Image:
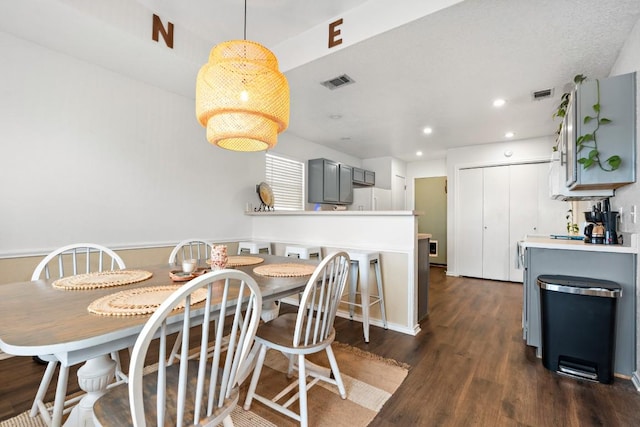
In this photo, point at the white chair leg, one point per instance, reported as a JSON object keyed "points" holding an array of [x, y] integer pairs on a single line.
{"points": [[336, 372], [302, 386], [292, 365], [120, 376], [227, 422], [176, 348], [44, 386], [256, 376], [61, 394]]}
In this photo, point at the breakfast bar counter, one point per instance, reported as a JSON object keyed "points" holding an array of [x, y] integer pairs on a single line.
{"points": [[393, 234]]}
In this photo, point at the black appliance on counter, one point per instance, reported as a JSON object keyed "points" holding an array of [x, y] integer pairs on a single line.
{"points": [[602, 227]]}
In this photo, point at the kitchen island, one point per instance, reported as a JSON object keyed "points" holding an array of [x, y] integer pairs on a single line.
{"points": [[576, 258], [391, 233]]}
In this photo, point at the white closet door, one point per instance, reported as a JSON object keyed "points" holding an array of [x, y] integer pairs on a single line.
{"points": [[495, 248], [470, 227], [523, 207]]}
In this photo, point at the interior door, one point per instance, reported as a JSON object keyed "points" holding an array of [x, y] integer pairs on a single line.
{"points": [[469, 223], [495, 241]]}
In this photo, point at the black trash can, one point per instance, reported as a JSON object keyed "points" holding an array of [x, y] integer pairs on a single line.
{"points": [[578, 326]]}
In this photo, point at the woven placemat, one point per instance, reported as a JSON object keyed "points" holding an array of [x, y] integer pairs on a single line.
{"points": [[101, 279], [285, 270], [133, 302], [239, 261]]}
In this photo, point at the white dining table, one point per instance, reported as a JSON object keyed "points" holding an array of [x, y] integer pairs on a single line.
{"points": [[38, 319]]}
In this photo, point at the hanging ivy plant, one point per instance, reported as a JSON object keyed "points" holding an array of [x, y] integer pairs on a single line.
{"points": [[561, 111], [589, 141]]}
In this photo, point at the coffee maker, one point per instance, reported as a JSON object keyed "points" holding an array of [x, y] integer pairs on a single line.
{"points": [[602, 227]]}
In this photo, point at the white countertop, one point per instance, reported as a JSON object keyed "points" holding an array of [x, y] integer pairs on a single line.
{"points": [[424, 236], [579, 245]]}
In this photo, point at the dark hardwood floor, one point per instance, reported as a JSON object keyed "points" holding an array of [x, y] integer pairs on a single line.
{"points": [[469, 367]]}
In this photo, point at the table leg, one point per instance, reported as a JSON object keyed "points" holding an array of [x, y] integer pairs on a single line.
{"points": [[93, 378]]}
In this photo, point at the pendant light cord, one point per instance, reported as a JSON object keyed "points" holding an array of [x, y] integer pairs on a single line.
{"points": [[245, 19]]}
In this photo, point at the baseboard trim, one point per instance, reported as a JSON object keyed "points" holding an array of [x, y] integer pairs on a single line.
{"points": [[374, 322], [635, 379], [377, 322]]}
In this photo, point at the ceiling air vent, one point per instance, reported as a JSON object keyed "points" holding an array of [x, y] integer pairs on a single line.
{"points": [[542, 94], [337, 82]]}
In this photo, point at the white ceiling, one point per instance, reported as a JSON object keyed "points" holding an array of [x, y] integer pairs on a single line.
{"points": [[441, 70]]}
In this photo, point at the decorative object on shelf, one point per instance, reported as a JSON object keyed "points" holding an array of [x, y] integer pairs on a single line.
{"points": [[219, 257], [241, 97], [266, 197]]}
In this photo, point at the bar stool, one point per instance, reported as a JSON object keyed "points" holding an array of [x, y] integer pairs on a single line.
{"points": [[270, 310], [254, 247], [303, 252], [360, 263]]}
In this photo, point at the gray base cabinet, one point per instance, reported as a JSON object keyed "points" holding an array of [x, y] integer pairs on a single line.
{"points": [[618, 267]]}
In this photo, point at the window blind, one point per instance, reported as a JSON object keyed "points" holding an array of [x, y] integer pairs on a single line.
{"points": [[286, 179]]}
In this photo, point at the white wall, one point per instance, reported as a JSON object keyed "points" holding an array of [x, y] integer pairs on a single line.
{"points": [[87, 154], [382, 166], [294, 147], [628, 61], [522, 151]]}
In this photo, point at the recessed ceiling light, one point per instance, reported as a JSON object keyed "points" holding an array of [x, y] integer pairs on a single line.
{"points": [[418, 153], [335, 116], [509, 135], [499, 102], [427, 130], [345, 138]]}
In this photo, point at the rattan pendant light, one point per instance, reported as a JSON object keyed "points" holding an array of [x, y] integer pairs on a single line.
{"points": [[241, 96]]}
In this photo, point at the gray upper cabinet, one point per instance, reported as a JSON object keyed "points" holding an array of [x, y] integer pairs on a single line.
{"points": [[618, 104], [329, 182], [363, 177]]}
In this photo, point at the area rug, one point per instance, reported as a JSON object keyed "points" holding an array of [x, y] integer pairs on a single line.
{"points": [[369, 380]]}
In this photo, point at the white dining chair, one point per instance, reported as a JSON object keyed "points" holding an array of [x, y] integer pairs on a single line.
{"points": [[308, 331], [199, 249], [66, 261], [199, 392]]}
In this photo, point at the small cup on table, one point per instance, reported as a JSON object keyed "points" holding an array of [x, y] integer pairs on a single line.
{"points": [[189, 265]]}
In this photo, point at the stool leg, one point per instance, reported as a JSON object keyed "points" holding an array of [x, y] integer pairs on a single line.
{"points": [[364, 297], [380, 294], [353, 283]]}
